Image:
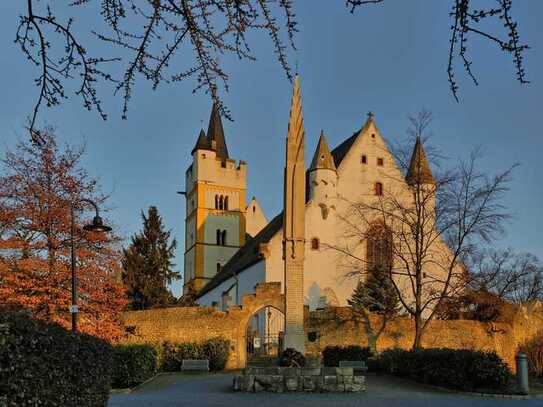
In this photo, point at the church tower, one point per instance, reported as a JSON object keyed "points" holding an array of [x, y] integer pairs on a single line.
{"points": [[215, 188]]}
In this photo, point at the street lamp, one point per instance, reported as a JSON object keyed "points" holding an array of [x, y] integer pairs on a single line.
{"points": [[97, 225]]}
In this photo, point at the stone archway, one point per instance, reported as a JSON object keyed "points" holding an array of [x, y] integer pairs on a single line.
{"points": [[267, 297], [264, 335]]}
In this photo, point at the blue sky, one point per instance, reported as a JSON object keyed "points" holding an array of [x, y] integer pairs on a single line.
{"points": [[390, 59]]}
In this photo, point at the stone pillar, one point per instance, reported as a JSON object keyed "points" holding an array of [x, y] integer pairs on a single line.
{"points": [[294, 225]]}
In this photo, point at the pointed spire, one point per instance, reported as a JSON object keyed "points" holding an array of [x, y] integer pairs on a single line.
{"points": [[419, 171], [201, 142], [322, 158], [296, 124], [215, 133]]}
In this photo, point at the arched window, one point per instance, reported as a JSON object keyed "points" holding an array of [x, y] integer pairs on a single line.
{"points": [[216, 201], [218, 267], [315, 243], [218, 236], [363, 159], [378, 189], [223, 238], [379, 248], [226, 203], [221, 202]]}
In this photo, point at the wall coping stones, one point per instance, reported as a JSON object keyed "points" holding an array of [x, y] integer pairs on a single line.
{"points": [[293, 379]]}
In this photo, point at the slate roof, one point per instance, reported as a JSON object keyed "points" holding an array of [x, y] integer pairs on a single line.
{"points": [[419, 171], [215, 132]]}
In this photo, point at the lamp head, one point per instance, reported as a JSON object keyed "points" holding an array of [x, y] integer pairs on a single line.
{"points": [[97, 225]]}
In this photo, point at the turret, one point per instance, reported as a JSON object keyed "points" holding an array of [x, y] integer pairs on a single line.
{"points": [[322, 173], [419, 176]]}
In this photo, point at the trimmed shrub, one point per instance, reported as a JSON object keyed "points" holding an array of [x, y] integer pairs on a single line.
{"points": [[332, 355], [534, 351], [457, 369], [216, 350], [291, 358], [133, 364], [44, 364]]}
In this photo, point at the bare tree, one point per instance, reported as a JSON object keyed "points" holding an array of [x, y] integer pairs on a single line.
{"points": [[173, 40], [514, 277], [424, 230]]}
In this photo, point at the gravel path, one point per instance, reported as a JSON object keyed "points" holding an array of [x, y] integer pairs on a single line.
{"points": [[216, 390]]}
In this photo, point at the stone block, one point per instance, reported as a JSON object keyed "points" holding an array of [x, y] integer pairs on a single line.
{"points": [[290, 371], [359, 379], [264, 382], [248, 383], [310, 383], [344, 371], [277, 384], [291, 383], [309, 371], [328, 371], [345, 379]]}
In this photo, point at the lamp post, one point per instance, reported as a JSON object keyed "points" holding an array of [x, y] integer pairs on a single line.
{"points": [[97, 225]]}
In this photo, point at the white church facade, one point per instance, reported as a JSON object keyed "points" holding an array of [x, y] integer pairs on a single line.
{"points": [[230, 246]]}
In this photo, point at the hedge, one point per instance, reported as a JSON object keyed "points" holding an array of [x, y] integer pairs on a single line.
{"points": [[332, 355], [457, 369], [133, 364], [44, 364], [290, 357], [216, 350]]}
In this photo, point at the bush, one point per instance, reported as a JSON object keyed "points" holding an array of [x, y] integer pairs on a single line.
{"points": [[216, 350], [133, 364], [291, 358], [44, 364], [534, 350], [457, 369], [331, 355]]}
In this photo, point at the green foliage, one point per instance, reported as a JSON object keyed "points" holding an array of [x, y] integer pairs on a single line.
{"points": [[376, 294], [147, 265], [133, 364], [332, 355], [534, 351], [291, 358], [457, 369], [46, 365], [216, 350]]}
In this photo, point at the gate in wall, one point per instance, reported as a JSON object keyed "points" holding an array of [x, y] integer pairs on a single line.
{"points": [[264, 335]]}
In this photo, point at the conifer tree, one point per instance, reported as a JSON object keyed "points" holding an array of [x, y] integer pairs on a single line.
{"points": [[377, 295], [147, 265]]}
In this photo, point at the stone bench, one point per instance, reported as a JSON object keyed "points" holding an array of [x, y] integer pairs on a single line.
{"points": [[195, 365], [359, 366]]}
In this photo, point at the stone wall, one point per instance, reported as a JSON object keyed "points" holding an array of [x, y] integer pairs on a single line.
{"points": [[195, 324], [333, 326], [338, 326]]}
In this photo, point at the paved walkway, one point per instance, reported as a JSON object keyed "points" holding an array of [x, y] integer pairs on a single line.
{"points": [[216, 390]]}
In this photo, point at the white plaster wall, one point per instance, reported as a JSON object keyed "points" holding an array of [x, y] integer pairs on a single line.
{"points": [[247, 282], [255, 218]]}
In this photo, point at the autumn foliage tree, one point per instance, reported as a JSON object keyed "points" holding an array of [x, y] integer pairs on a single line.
{"points": [[38, 184]]}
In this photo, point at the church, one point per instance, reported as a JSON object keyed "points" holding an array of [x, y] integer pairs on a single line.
{"points": [[230, 246]]}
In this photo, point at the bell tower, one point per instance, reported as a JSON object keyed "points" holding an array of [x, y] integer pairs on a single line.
{"points": [[215, 188]]}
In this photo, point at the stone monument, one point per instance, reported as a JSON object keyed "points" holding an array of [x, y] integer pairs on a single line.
{"points": [[294, 225]]}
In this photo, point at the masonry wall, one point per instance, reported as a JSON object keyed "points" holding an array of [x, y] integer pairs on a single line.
{"points": [[333, 326]]}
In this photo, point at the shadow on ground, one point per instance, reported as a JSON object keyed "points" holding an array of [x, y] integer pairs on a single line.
{"points": [[216, 390]]}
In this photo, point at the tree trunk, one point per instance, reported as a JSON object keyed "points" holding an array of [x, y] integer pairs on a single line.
{"points": [[417, 343]]}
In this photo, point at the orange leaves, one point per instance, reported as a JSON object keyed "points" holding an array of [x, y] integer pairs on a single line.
{"points": [[37, 186]]}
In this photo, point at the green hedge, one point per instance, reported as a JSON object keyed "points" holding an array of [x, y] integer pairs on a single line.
{"points": [[216, 350], [332, 355], [133, 364], [45, 365], [290, 357], [456, 369]]}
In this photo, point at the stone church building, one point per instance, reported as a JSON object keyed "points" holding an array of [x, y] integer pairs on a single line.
{"points": [[230, 246]]}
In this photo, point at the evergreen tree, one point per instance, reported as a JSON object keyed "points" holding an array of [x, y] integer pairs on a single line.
{"points": [[147, 265], [377, 295]]}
